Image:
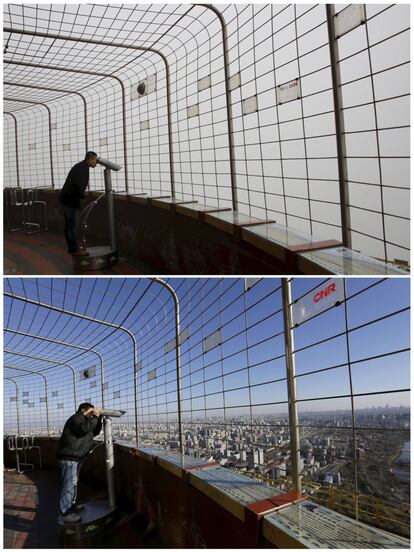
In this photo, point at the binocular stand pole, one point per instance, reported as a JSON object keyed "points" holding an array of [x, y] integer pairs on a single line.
{"points": [[109, 448], [102, 256]]}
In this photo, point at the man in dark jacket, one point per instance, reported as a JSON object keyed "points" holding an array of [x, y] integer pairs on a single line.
{"points": [[70, 196], [75, 443]]}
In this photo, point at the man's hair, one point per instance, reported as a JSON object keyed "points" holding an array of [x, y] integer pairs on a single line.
{"points": [[85, 406], [90, 155]]}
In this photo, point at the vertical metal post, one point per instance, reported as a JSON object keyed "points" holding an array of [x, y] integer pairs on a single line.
{"points": [[124, 134], [50, 145], [134, 344], [291, 383], [17, 404], [47, 406], [75, 398], [178, 372], [85, 116], [351, 388], [109, 450], [110, 204], [177, 359], [169, 124], [16, 147], [340, 127]]}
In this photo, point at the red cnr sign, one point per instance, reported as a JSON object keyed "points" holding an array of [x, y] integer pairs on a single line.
{"points": [[324, 293]]}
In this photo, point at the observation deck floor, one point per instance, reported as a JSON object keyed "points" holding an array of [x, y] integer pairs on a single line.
{"points": [[45, 253], [31, 508]]}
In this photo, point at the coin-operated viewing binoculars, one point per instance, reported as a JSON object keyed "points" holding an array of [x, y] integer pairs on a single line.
{"points": [[112, 413], [98, 517], [101, 256]]}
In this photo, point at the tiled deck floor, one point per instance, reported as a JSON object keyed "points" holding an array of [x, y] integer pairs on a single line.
{"points": [[45, 253], [31, 510]]}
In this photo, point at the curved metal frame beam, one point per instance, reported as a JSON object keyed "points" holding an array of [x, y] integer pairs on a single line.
{"points": [[44, 377], [114, 45], [50, 129], [230, 131], [33, 336], [51, 361], [90, 319], [177, 356], [58, 90], [17, 152], [17, 403]]}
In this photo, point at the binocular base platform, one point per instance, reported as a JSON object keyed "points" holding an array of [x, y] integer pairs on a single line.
{"points": [[96, 519], [102, 256]]}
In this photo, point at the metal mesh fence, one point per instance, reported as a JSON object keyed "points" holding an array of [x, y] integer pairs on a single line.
{"points": [[219, 384], [252, 107]]}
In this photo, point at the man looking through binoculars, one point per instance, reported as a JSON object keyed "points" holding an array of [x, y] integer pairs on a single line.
{"points": [[75, 443], [70, 196]]}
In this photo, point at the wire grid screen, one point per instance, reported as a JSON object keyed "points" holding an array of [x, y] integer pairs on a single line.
{"points": [[353, 387], [286, 165], [201, 143], [103, 374], [31, 402], [286, 154], [375, 73], [232, 369], [227, 340], [285, 150]]}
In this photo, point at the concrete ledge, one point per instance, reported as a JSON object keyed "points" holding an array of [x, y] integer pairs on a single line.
{"points": [[267, 516], [198, 211], [340, 260], [171, 203], [181, 236], [284, 243], [197, 504]]}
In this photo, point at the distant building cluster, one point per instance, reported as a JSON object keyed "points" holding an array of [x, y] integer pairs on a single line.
{"points": [[261, 446]]}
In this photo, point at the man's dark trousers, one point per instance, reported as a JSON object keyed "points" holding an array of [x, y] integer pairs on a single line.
{"points": [[71, 228]]}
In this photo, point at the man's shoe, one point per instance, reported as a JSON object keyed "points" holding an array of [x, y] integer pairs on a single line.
{"points": [[77, 507], [71, 518], [80, 253]]}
